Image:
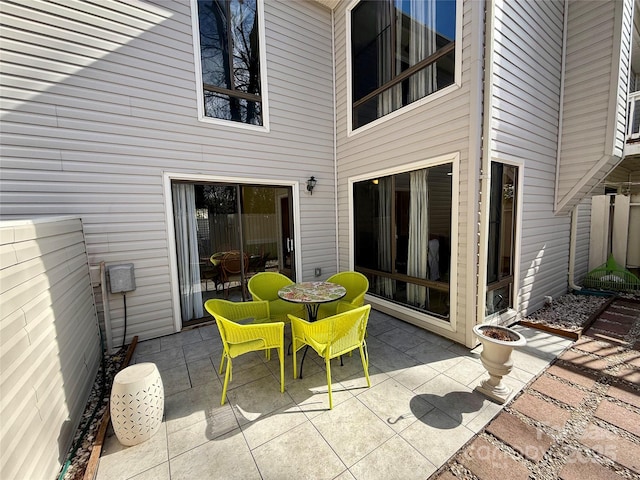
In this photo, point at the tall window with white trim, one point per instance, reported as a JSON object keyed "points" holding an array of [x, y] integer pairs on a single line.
{"points": [[401, 51], [501, 239], [230, 60], [402, 237]]}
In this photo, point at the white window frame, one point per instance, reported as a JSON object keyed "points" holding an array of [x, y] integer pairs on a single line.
{"points": [[510, 315], [405, 313], [167, 177], [412, 106], [263, 73]]}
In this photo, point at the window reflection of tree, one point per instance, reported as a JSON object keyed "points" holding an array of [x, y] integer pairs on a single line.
{"points": [[230, 59], [221, 199]]}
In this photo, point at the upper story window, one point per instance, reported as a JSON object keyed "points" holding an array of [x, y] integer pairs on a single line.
{"points": [[401, 51], [229, 35]]}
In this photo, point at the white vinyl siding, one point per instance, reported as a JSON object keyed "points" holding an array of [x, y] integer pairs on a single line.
{"points": [[436, 128], [50, 343], [524, 130], [594, 110], [99, 100]]}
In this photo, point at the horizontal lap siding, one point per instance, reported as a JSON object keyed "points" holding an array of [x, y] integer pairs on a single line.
{"points": [[50, 343], [436, 128], [597, 70], [524, 129], [99, 100]]}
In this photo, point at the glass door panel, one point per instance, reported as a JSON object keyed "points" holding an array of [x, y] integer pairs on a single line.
{"points": [[266, 229], [250, 221]]}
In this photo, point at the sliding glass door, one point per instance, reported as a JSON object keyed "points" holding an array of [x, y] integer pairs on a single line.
{"points": [[217, 221], [402, 226]]}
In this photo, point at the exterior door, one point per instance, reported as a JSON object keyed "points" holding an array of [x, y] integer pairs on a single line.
{"points": [[253, 220]]}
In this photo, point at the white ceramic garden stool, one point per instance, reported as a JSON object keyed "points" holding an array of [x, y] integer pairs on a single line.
{"points": [[137, 403]]}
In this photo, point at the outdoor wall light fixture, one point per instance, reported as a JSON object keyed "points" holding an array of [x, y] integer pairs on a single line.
{"points": [[311, 183]]}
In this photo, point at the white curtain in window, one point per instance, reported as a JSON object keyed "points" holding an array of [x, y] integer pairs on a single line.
{"points": [[422, 43], [418, 236], [390, 99], [385, 285], [184, 214]]}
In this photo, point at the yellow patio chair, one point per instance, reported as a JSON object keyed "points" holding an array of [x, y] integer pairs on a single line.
{"points": [[265, 286], [240, 338], [332, 337], [356, 284]]}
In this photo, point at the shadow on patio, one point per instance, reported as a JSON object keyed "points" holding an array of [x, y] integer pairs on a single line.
{"points": [[421, 408]]}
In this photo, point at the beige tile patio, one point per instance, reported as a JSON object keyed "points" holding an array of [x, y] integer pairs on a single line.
{"points": [[458, 401], [437, 436], [526, 360], [352, 430], [226, 457], [120, 462], [401, 338], [159, 472], [164, 359], [393, 403], [299, 453], [413, 377], [268, 427], [466, 371], [220, 421], [175, 379], [541, 343], [420, 409], [357, 383], [387, 358], [202, 371], [395, 458], [147, 347], [201, 349], [346, 475], [311, 393], [254, 400], [437, 357], [192, 406], [185, 337]]}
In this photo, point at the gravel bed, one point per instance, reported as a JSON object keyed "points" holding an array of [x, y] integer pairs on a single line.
{"points": [[92, 417], [568, 312]]}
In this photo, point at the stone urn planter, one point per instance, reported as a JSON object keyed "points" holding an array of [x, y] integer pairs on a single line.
{"points": [[497, 344]]}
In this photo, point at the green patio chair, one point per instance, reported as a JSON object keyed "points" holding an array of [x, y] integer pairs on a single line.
{"points": [[332, 337], [356, 285], [252, 335], [264, 286]]}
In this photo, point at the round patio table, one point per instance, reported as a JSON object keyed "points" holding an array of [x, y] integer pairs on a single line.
{"points": [[312, 294]]}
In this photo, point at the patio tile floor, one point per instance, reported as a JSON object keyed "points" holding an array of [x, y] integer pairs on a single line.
{"points": [[420, 410]]}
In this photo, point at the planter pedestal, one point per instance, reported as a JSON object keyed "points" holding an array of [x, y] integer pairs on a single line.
{"points": [[496, 359]]}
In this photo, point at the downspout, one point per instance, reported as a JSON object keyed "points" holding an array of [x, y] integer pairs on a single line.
{"points": [[335, 139], [485, 166]]}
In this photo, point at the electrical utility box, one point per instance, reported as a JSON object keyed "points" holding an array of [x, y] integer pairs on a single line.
{"points": [[121, 278]]}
